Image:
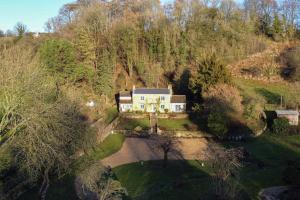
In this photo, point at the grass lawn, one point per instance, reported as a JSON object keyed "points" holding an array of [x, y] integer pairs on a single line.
{"points": [[130, 124], [64, 188], [273, 153], [111, 114], [270, 92], [110, 145], [180, 180], [176, 124], [189, 180]]}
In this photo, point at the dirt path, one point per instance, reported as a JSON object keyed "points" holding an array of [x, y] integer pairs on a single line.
{"points": [[141, 149]]}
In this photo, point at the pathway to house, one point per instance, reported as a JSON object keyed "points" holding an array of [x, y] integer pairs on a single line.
{"points": [[142, 149], [153, 122]]}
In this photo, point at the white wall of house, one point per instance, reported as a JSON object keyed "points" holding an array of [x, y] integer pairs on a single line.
{"points": [[178, 107], [125, 107], [151, 102]]}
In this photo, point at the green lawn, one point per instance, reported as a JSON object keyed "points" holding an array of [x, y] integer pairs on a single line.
{"points": [[189, 180], [111, 114], [110, 145], [176, 124], [130, 124], [273, 153], [64, 188], [269, 92], [180, 180]]}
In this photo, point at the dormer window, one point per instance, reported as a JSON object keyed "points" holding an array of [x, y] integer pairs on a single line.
{"points": [[142, 98]]}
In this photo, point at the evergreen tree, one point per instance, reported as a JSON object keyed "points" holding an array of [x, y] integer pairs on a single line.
{"points": [[210, 72]]}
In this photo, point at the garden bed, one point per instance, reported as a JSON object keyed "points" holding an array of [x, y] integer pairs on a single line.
{"points": [[131, 124], [177, 125]]}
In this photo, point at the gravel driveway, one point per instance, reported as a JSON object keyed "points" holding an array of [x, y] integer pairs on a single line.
{"points": [[142, 149]]}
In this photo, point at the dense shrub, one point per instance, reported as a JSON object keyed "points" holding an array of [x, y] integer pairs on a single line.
{"points": [[224, 98], [59, 58], [58, 55], [281, 126], [292, 72], [223, 104], [211, 71], [217, 124], [253, 109]]}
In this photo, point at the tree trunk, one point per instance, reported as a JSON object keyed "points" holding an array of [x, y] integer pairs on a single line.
{"points": [[44, 186], [165, 159]]}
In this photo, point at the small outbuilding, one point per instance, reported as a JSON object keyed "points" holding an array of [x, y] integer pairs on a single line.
{"points": [[291, 115], [178, 103], [125, 101]]}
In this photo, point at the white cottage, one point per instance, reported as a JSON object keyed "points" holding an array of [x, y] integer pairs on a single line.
{"points": [[152, 100]]}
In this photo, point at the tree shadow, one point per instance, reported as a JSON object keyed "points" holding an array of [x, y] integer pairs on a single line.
{"points": [[270, 97], [290, 58], [265, 162], [270, 116], [179, 180], [240, 129], [181, 86]]}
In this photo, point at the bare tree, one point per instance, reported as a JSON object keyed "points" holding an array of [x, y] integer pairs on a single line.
{"points": [[20, 29], [228, 7], [98, 181], [167, 144], [225, 164], [2, 34], [43, 131]]}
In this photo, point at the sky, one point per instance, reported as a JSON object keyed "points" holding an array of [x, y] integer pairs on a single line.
{"points": [[32, 13]]}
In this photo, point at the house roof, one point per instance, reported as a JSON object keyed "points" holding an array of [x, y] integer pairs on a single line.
{"points": [[125, 94], [287, 112], [151, 91], [178, 99], [122, 101]]}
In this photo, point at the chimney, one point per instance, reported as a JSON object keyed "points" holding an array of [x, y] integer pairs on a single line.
{"points": [[170, 88]]}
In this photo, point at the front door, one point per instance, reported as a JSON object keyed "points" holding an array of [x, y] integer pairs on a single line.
{"points": [[151, 108]]}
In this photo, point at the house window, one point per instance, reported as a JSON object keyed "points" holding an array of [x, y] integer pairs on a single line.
{"points": [[162, 106], [142, 106], [178, 108], [162, 98], [142, 98]]}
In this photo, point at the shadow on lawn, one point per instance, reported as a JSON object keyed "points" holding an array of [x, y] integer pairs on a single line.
{"points": [[266, 162], [179, 180], [271, 97]]}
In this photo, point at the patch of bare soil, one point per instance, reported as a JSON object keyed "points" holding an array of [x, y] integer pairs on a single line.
{"points": [[141, 149]]}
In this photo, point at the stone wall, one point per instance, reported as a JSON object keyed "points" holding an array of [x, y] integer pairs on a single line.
{"points": [[147, 133], [107, 130]]}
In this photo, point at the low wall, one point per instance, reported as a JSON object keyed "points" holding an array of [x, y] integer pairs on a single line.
{"points": [[106, 131], [172, 116], [147, 133], [134, 115], [160, 115]]}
